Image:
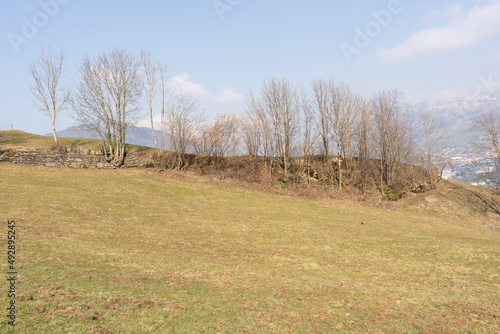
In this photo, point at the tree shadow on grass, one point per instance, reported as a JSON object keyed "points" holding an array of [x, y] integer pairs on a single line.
{"points": [[489, 203]]}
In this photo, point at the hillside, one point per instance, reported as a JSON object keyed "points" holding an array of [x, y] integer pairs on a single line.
{"points": [[311, 178], [135, 135], [16, 138], [136, 251]]}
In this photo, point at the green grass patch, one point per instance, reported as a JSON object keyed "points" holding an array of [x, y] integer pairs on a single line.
{"points": [[16, 138], [132, 251]]}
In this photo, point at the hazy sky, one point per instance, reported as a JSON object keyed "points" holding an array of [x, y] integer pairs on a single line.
{"points": [[431, 50]]}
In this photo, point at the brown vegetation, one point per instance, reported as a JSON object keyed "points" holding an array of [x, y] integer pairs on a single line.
{"points": [[310, 176]]}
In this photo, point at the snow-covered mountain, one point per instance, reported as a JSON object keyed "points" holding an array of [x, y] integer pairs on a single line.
{"points": [[459, 138]]}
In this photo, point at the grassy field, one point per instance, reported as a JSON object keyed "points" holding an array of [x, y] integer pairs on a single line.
{"points": [[15, 138], [133, 251]]}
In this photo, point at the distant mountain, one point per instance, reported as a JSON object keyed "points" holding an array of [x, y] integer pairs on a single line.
{"points": [[458, 136], [457, 117], [134, 135]]}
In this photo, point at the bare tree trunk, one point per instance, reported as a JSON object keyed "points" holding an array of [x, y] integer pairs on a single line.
{"points": [[381, 177], [340, 173], [48, 93], [279, 102], [163, 80], [394, 133], [107, 99], [364, 141], [322, 110], [151, 78], [308, 141], [183, 120], [54, 131], [433, 134], [487, 126]]}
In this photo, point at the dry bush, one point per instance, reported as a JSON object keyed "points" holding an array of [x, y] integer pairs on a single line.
{"points": [[314, 178]]}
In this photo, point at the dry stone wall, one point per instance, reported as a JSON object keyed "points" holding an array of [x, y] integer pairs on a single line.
{"points": [[74, 158]]}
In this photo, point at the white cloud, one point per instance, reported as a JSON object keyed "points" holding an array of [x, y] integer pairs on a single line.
{"points": [[455, 13], [182, 83], [146, 123], [229, 96], [464, 29]]}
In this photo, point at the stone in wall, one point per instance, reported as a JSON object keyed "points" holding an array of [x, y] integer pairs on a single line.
{"points": [[70, 157]]}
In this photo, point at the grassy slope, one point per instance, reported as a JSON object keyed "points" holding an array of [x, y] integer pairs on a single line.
{"points": [[132, 251], [17, 138]]}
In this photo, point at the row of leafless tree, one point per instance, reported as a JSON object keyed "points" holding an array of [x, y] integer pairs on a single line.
{"points": [[109, 95], [330, 121], [282, 124]]}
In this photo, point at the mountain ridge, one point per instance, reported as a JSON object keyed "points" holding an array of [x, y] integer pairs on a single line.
{"points": [[135, 135], [458, 136]]}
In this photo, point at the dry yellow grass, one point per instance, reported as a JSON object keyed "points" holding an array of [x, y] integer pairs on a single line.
{"points": [[133, 251], [20, 139]]}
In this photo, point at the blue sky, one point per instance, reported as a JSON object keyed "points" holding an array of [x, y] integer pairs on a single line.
{"points": [[431, 50]]}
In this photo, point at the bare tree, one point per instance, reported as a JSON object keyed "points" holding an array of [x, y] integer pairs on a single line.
{"points": [[307, 134], [345, 113], [220, 137], [446, 162], [394, 133], [259, 124], [251, 138], [364, 141], [279, 102], [321, 106], [343, 117], [49, 94], [227, 127], [203, 142], [164, 91], [107, 99], [151, 78], [433, 134], [336, 111], [487, 126], [183, 120]]}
